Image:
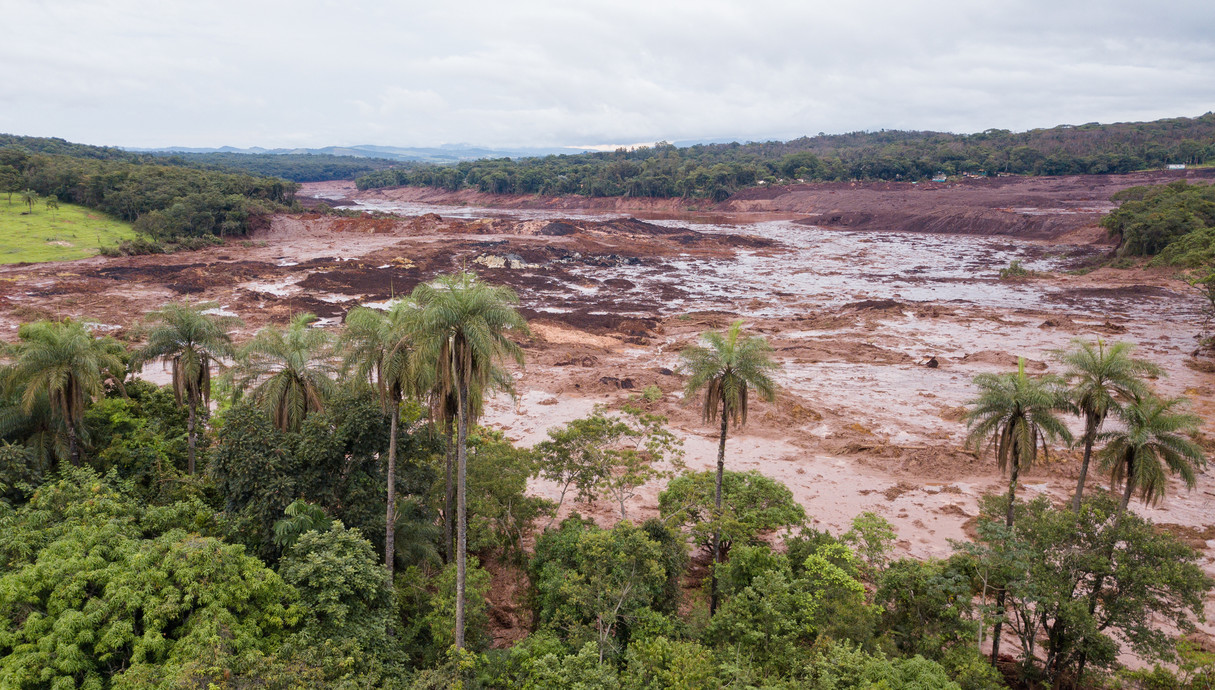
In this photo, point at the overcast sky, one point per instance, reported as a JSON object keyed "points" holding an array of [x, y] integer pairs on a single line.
{"points": [[576, 72]]}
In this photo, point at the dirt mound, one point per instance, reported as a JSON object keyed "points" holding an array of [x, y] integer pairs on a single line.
{"points": [[377, 284], [185, 278], [875, 305], [1002, 359], [1120, 292], [842, 350], [558, 228]]}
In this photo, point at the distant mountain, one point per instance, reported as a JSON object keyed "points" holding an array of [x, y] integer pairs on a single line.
{"points": [[451, 153]]}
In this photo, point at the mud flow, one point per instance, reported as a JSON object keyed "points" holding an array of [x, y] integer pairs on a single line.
{"points": [[879, 332]]}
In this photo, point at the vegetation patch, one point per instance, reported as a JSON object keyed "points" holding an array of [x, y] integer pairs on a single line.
{"points": [[63, 234], [716, 171], [1016, 271], [1173, 222]]}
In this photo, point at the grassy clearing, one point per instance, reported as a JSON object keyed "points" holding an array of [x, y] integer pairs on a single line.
{"points": [[72, 232]]}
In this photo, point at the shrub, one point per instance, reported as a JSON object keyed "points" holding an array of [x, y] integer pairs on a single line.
{"points": [[1016, 271]]}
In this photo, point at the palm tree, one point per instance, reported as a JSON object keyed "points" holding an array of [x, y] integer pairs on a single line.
{"points": [[61, 365], [1154, 438], [43, 435], [28, 197], [289, 371], [461, 335], [1016, 414], [302, 517], [444, 409], [379, 349], [727, 370], [416, 533], [1100, 378], [192, 342]]}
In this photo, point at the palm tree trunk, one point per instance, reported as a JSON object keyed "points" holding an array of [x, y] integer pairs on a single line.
{"points": [[449, 506], [1014, 471], [390, 515], [721, 469], [1095, 596], [1090, 434], [461, 510], [190, 438], [73, 445], [1129, 482]]}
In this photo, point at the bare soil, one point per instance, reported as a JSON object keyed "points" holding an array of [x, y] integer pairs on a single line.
{"points": [[1027, 207]]}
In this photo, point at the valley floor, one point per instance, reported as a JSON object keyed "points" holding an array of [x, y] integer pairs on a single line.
{"points": [[861, 423]]}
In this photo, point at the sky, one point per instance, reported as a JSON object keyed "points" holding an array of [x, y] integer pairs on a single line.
{"points": [[521, 73]]}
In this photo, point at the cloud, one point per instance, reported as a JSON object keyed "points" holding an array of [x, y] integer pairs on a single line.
{"points": [[314, 72]]}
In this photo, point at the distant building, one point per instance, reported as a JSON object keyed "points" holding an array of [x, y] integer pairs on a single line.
{"points": [[1176, 166], [939, 177]]}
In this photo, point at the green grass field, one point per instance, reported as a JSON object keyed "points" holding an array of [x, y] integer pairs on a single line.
{"points": [[72, 232]]}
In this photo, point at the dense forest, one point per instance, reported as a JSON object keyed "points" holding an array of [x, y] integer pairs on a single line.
{"points": [[1173, 222], [295, 167], [167, 204], [715, 171], [321, 510]]}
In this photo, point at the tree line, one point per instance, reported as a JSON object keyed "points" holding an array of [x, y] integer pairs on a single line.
{"points": [[166, 204], [294, 167], [349, 519], [715, 171]]}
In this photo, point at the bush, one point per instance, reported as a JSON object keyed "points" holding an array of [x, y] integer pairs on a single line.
{"points": [[342, 585], [1016, 271]]}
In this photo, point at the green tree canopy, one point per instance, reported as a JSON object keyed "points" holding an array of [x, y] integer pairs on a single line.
{"points": [[105, 589], [752, 505]]}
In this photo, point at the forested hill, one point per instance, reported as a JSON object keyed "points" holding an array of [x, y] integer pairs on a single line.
{"points": [[167, 203], [295, 167], [715, 171]]}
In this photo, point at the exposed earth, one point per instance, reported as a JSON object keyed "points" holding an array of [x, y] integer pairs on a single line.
{"points": [[856, 287]]}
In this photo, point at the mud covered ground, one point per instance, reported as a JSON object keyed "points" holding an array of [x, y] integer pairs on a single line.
{"points": [[861, 423], [1027, 207]]}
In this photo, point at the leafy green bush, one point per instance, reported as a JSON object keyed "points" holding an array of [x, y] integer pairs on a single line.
{"points": [[842, 666], [341, 584], [1016, 271], [926, 605], [1192, 250], [872, 537]]}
